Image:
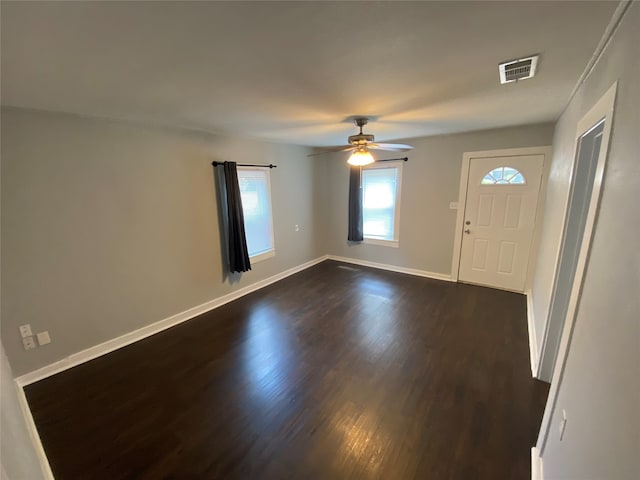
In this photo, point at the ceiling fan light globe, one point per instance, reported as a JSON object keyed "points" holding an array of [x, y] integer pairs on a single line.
{"points": [[360, 158]]}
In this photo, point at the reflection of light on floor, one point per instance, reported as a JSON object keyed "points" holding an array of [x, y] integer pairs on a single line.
{"points": [[377, 319], [267, 354], [362, 439], [378, 330], [377, 288]]}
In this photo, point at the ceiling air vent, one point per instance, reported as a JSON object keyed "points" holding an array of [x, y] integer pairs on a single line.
{"points": [[519, 69]]}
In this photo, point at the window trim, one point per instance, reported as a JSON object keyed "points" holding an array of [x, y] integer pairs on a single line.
{"points": [[503, 182], [269, 253], [395, 243]]}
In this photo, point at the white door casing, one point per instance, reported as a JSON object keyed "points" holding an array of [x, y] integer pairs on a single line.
{"points": [[499, 220], [575, 219], [603, 110]]}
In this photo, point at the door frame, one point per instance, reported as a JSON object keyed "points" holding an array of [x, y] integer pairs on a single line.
{"points": [[545, 151], [602, 110]]}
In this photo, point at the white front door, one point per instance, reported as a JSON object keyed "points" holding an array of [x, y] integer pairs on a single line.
{"points": [[499, 218]]}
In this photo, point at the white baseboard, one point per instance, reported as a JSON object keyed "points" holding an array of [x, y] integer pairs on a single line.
{"points": [[533, 342], [33, 433], [536, 465], [393, 268], [139, 334]]}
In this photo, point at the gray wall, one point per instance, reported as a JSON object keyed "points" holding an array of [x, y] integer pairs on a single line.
{"points": [[19, 460], [430, 181], [600, 389], [109, 226]]}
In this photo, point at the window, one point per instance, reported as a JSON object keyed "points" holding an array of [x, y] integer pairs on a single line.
{"points": [[255, 191], [503, 176], [381, 203]]}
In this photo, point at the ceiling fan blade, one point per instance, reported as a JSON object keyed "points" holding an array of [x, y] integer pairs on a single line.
{"points": [[342, 148], [391, 147]]}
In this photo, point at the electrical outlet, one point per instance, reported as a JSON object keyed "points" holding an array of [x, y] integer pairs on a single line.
{"points": [[43, 338], [297, 228], [28, 343], [25, 330], [453, 205]]}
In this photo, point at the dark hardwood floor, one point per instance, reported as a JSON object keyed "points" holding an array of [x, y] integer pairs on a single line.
{"points": [[337, 372]]}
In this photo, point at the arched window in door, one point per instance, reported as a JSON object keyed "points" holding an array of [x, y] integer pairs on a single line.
{"points": [[503, 176]]}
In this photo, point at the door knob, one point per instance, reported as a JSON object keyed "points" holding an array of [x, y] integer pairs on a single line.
{"points": [[467, 231]]}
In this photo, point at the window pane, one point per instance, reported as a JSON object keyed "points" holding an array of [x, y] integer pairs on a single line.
{"points": [[509, 173], [256, 206], [503, 176], [518, 179], [380, 186]]}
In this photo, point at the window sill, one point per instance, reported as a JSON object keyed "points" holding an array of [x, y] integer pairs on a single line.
{"points": [[382, 243], [262, 256]]}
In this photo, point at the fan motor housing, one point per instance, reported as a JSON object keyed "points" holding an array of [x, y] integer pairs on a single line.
{"points": [[361, 139]]}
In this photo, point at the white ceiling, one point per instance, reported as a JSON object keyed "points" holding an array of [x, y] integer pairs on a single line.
{"points": [[294, 71]]}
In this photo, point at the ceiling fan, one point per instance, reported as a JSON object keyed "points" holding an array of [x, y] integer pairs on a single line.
{"points": [[361, 143]]}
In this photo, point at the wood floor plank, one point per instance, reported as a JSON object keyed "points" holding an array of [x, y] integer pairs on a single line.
{"points": [[337, 372]]}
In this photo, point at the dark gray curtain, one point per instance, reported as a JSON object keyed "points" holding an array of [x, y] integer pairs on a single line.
{"points": [[237, 240], [355, 206]]}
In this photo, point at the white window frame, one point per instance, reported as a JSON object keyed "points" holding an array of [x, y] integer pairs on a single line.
{"points": [[395, 243], [270, 253]]}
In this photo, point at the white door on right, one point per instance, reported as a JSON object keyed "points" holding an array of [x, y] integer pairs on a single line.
{"points": [[499, 219]]}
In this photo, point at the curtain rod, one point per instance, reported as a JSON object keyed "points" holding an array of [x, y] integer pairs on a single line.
{"points": [[215, 164], [404, 159]]}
